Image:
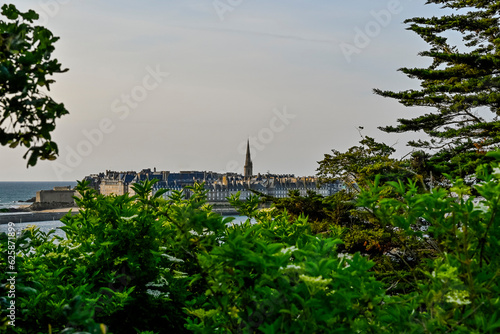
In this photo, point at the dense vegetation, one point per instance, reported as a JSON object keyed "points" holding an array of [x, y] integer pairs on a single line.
{"points": [[418, 262], [405, 248]]}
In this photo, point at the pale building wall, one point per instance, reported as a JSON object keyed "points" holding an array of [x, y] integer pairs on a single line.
{"points": [[59, 196], [112, 187]]}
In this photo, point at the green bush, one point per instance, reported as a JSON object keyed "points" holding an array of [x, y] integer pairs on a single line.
{"points": [[459, 291], [429, 263]]}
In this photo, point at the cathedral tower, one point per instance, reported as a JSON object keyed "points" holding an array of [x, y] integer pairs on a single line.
{"points": [[248, 168]]}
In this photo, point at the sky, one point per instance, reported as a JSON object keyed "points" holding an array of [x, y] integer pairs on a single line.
{"points": [[182, 85]]}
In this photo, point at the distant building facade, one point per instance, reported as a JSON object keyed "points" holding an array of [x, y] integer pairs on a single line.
{"points": [[115, 183], [219, 186], [57, 195]]}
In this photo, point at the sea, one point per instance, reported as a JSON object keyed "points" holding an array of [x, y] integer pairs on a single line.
{"points": [[15, 194]]}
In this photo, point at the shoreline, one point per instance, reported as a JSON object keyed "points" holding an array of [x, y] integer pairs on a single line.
{"points": [[24, 216], [35, 216]]}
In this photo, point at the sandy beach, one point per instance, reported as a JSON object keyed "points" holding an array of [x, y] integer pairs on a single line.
{"points": [[65, 210]]}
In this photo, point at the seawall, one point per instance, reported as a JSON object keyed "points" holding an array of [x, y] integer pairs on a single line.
{"points": [[31, 217], [56, 214]]}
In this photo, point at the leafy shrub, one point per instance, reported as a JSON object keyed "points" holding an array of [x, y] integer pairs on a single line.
{"points": [[132, 264], [459, 291]]}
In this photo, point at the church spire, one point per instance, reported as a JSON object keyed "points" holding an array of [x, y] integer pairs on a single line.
{"points": [[248, 169]]}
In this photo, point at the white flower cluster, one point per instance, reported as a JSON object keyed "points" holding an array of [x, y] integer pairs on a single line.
{"points": [[161, 282], [129, 218], [154, 293], [458, 297], [289, 250], [172, 258], [157, 294], [205, 232], [496, 172], [83, 257], [343, 257], [480, 206]]}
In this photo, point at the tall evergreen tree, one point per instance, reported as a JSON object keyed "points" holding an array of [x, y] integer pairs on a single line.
{"points": [[462, 83]]}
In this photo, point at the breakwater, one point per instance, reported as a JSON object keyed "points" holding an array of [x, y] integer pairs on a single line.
{"points": [[27, 217], [226, 211]]}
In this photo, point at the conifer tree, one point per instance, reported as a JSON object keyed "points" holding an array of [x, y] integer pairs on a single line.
{"points": [[462, 83]]}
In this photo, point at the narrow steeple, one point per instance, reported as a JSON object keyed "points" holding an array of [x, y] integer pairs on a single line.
{"points": [[248, 163]]}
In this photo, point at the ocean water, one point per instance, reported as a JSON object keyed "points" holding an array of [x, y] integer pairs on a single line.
{"points": [[44, 226], [12, 193]]}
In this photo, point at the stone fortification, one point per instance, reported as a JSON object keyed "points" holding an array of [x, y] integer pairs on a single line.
{"points": [[59, 197]]}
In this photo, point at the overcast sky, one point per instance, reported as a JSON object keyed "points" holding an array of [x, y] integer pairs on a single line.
{"points": [[181, 85]]}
